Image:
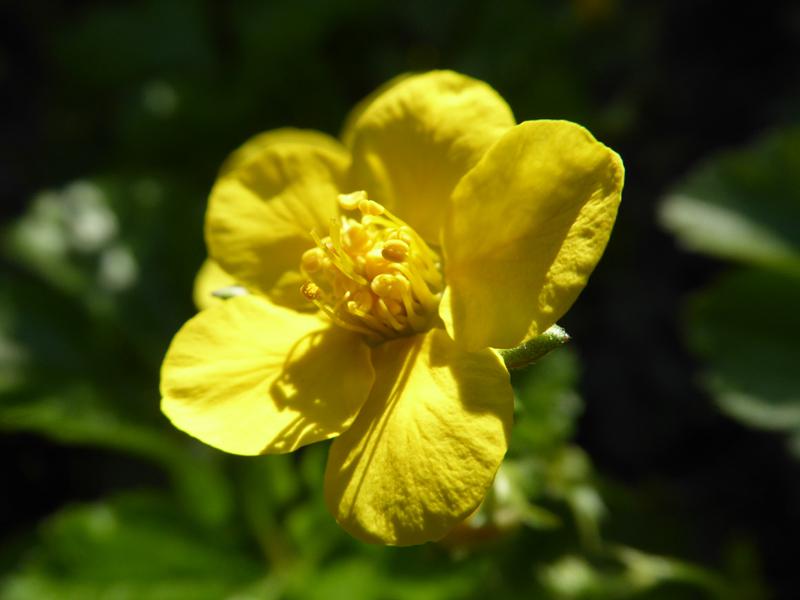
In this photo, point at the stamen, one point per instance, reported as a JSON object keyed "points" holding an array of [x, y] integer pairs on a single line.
{"points": [[414, 317], [355, 237], [384, 312], [350, 201], [345, 266], [312, 260], [395, 250], [370, 319], [372, 273], [311, 291], [341, 322], [375, 264], [405, 232], [389, 286], [395, 307], [419, 287], [362, 299], [370, 207], [400, 233]]}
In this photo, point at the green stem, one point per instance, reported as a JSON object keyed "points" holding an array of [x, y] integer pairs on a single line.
{"points": [[529, 351]]}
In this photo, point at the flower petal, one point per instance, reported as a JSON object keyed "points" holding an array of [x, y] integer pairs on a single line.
{"points": [[210, 278], [425, 447], [414, 142], [270, 195], [250, 377], [349, 129], [253, 147], [525, 229]]}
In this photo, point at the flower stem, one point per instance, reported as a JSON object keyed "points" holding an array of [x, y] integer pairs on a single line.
{"points": [[529, 351]]}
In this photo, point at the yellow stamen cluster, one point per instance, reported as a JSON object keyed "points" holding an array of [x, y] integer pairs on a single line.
{"points": [[372, 274]]}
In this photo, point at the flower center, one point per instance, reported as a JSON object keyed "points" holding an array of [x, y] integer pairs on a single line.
{"points": [[373, 274]]}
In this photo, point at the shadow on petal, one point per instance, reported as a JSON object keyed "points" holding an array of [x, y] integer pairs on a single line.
{"points": [[317, 384], [420, 457]]}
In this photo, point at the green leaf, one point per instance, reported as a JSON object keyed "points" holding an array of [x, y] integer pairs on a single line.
{"points": [[548, 403], [510, 498], [71, 381], [746, 327], [79, 353], [371, 575], [744, 205], [132, 547], [628, 573], [570, 478], [267, 487], [77, 415]]}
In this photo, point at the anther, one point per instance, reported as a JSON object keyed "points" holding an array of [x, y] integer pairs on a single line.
{"points": [[400, 233], [352, 201], [311, 291], [328, 245], [394, 307], [390, 286], [362, 300], [395, 250], [347, 202], [312, 260], [370, 207], [375, 264], [372, 273], [355, 236]]}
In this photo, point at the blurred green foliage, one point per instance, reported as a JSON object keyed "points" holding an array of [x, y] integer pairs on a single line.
{"points": [[744, 206], [137, 105]]}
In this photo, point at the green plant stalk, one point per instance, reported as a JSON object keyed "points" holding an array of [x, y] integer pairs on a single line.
{"points": [[529, 351]]}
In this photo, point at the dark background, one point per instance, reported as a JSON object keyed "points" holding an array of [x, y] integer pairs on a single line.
{"points": [[666, 84]]}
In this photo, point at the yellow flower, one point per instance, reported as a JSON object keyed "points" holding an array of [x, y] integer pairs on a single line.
{"points": [[382, 270]]}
